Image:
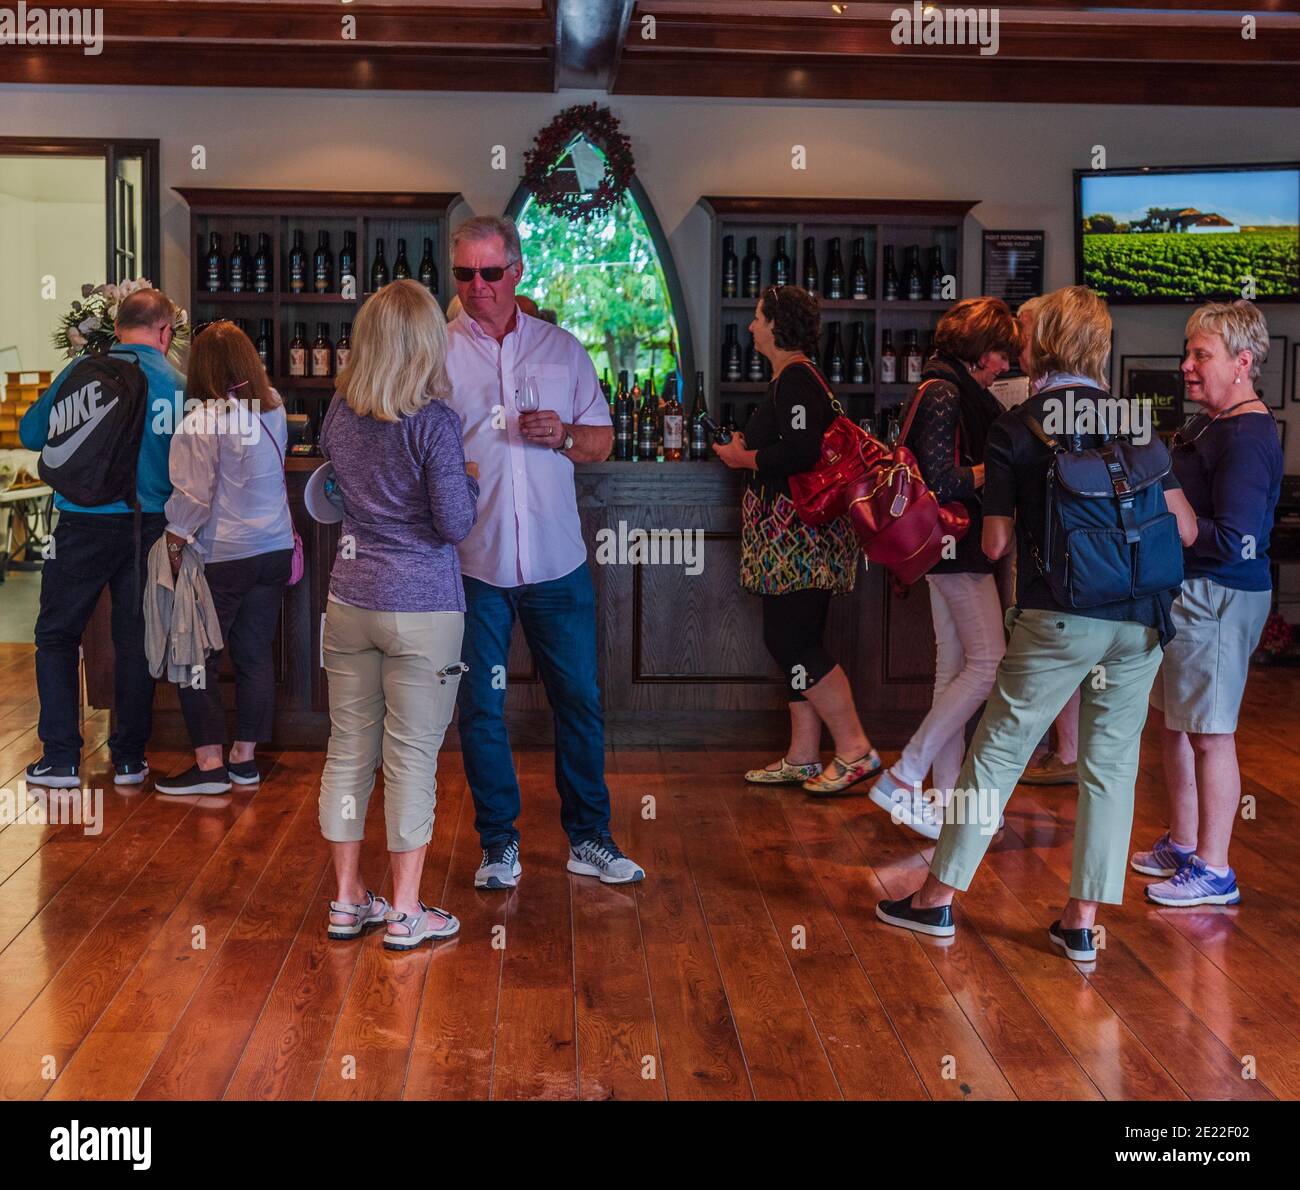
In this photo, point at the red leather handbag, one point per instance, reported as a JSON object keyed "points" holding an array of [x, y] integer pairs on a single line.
{"points": [[896, 518]]}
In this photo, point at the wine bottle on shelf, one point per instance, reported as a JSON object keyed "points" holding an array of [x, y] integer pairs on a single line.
{"points": [[833, 360], [891, 275], [622, 421], [731, 363], [322, 351], [298, 350], [730, 268], [672, 419], [263, 343], [935, 286], [859, 281], [859, 360], [348, 259], [343, 348], [912, 359], [429, 270], [263, 268], [401, 266], [834, 272], [297, 265], [913, 282], [751, 269], [699, 410], [237, 278], [378, 270], [753, 363], [322, 264], [647, 429], [780, 264], [606, 392], [214, 276], [888, 360], [811, 280], [634, 396]]}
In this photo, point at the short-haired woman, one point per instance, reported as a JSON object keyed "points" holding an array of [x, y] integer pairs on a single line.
{"points": [[228, 499], [395, 614], [1052, 650], [795, 567], [1229, 461], [974, 344]]}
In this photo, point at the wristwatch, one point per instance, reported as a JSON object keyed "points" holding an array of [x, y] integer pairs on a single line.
{"points": [[567, 445]]}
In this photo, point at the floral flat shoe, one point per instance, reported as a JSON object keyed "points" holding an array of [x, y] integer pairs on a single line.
{"points": [[841, 775], [787, 774]]}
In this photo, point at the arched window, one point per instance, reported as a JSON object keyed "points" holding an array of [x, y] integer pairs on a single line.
{"points": [[611, 282]]}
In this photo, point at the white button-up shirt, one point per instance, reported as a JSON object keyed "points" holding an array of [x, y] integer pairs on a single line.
{"points": [[528, 529]]}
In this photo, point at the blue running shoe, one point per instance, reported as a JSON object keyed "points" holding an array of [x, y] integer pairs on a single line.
{"points": [[1164, 859], [1195, 884]]}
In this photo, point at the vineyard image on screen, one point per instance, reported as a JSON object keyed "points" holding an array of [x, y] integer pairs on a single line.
{"points": [[1191, 236]]}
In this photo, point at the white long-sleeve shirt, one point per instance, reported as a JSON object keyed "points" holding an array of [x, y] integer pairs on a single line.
{"points": [[228, 481]]}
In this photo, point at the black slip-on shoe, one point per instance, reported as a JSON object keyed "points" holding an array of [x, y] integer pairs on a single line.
{"points": [[1077, 944], [53, 776], [936, 922], [243, 773], [132, 773], [195, 780]]}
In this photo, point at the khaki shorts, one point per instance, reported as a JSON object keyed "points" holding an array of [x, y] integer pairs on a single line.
{"points": [[1203, 675]]}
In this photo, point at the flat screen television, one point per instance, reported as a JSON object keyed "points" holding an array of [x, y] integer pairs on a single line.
{"points": [[1189, 233]]}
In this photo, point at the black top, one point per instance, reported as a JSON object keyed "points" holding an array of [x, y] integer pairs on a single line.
{"points": [[786, 429], [1015, 484], [948, 437]]}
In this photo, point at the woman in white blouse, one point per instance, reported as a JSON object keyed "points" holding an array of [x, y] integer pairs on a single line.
{"points": [[229, 501]]}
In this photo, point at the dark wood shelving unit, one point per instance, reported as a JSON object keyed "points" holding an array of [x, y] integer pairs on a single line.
{"points": [[881, 223], [371, 215]]}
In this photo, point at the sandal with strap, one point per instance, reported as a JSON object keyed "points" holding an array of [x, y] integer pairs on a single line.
{"points": [[787, 774], [363, 916], [842, 774], [418, 927]]}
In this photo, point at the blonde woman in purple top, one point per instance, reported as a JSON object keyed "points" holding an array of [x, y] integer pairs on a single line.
{"points": [[395, 616]]}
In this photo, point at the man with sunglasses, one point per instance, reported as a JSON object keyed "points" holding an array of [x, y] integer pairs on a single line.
{"points": [[525, 558]]}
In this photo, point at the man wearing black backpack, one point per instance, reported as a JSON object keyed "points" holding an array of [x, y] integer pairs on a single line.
{"points": [[104, 430]]}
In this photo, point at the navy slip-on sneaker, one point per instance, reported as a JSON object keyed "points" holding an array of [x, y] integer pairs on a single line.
{"points": [[936, 922]]}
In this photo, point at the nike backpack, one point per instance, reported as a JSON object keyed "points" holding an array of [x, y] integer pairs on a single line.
{"points": [[96, 426]]}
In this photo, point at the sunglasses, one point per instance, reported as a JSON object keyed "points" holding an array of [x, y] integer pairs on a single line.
{"points": [[1184, 445], [493, 272]]}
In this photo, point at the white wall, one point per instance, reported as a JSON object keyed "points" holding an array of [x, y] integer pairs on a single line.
{"points": [[1016, 159]]}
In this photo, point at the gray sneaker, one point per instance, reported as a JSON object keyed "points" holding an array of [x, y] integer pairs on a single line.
{"points": [[601, 857], [500, 867]]}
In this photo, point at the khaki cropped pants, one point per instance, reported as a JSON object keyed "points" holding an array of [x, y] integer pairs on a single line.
{"points": [[390, 703]]}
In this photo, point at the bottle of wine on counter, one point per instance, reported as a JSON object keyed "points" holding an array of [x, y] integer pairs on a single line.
{"points": [[622, 421], [859, 360], [780, 264], [634, 395], [240, 266], [811, 280], [936, 274], [912, 359], [834, 357], [751, 269], [834, 272], [753, 363], [348, 259], [647, 429], [730, 268], [378, 270], [699, 409], [322, 264], [429, 270], [343, 350], [672, 417], [322, 351], [913, 282], [401, 266], [859, 281], [891, 275], [297, 265], [731, 364], [888, 360], [298, 350], [263, 269], [264, 343], [214, 273]]}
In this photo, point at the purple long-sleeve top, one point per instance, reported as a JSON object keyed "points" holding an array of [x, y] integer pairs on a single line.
{"points": [[406, 503]]}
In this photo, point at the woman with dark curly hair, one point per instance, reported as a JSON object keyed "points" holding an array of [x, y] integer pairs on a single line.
{"points": [[796, 568]]}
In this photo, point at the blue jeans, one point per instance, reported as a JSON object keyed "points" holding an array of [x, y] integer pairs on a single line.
{"points": [[559, 622]]}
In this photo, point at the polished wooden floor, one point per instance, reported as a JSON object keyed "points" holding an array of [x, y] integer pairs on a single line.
{"points": [[180, 954]]}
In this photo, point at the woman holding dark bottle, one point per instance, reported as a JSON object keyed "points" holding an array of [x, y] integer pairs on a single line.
{"points": [[974, 344], [795, 567]]}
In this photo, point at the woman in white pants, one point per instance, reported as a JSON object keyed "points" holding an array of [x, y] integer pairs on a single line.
{"points": [[973, 345]]}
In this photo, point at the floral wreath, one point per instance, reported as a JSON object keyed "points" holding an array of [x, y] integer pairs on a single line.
{"points": [[88, 326], [598, 125]]}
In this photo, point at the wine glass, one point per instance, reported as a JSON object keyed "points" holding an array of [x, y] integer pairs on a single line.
{"points": [[529, 398]]}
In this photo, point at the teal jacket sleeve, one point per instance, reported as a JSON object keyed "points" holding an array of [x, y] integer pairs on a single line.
{"points": [[34, 428]]}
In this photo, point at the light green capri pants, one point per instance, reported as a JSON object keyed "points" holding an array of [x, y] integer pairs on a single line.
{"points": [[1049, 656], [389, 702]]}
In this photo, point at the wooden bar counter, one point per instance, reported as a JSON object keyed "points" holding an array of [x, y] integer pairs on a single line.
{"points": [[682, 660]]}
